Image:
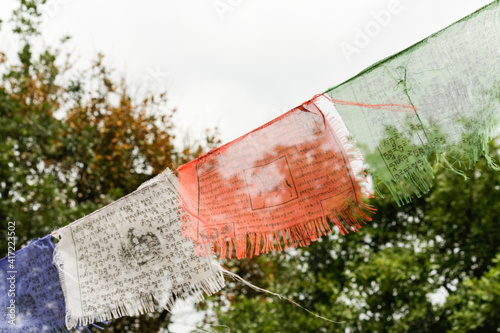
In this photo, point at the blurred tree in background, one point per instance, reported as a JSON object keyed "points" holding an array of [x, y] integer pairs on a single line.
{"points": [[74, 141], [391, 276]]}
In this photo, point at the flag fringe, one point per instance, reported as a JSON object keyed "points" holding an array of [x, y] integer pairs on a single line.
{"points": [[478, 150], [299, 235], [150, 302], [459, 161], [415, 183]]}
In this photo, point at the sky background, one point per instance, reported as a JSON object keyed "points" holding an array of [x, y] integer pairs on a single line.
{"points": [[237, 64]]}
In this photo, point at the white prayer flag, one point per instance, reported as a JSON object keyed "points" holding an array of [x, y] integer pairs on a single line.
{"points": [[130, 258]]}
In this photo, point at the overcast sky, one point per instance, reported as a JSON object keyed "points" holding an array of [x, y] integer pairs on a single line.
{"points": [[237, 64]]}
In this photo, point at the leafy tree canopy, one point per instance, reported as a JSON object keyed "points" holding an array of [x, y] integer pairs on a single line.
{"points": [[73, 141], [430, 266]]}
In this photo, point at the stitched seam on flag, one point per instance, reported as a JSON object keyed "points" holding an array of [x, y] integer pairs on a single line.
{"points": [[77, 271], [346, 162], [199, 198]]}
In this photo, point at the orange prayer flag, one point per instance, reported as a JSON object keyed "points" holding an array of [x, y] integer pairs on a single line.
{"points": [[281, 185]]}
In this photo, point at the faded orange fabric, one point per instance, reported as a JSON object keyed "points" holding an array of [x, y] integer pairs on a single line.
{"points": [[279, 186]]}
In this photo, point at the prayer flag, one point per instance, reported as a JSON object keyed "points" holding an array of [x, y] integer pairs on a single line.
{"points": [[31, 298], [130, 257], [439, 97], [283, 183]]}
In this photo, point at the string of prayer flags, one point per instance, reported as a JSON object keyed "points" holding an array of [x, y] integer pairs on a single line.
{"points": [[283, 183], [31, 298], [439, 97], [130, 258]]}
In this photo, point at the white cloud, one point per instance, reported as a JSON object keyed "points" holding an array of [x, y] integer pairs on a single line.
{"points": [[263, 56]]}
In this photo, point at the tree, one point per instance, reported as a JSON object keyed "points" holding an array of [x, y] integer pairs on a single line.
{"points": [[389, 276], [74, 141]]}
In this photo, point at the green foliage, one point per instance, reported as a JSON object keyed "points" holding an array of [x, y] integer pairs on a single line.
{"points": [[475, 305], [386, 277], [74, 141], [103, 144]]}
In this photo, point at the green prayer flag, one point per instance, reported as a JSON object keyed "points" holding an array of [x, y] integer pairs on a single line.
{"points": [[439, 97]]}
